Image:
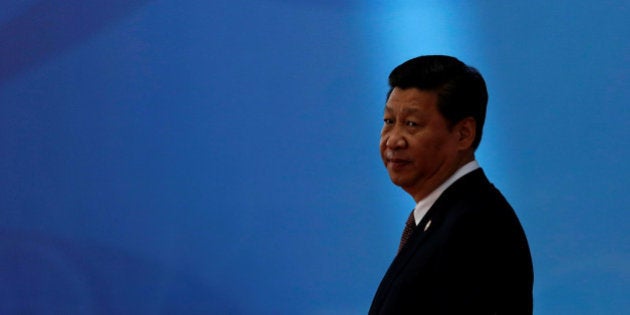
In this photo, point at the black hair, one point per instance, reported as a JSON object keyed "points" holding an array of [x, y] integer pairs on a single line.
{"points": [[461, 89]]}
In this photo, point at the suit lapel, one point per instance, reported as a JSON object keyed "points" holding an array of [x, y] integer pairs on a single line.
{"points": [[436, 214], [414, 242]]}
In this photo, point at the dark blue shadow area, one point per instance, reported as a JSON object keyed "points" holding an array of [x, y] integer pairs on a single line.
{"points": [[44, 275], [49, 27]]}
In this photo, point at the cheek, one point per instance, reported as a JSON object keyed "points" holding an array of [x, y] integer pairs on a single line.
{"points": [[382, 152], [382, 148], [427, 148], [437, 145], [441, 150], [382, 141]]}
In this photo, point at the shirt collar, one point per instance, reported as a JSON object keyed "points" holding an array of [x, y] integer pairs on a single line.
{"points": [[423, 206]]}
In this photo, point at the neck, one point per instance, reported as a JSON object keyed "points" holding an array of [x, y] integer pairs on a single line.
{"points": [[419, 193]]}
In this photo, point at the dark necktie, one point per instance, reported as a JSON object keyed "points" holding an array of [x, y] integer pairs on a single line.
{"points": [[409, 226]]}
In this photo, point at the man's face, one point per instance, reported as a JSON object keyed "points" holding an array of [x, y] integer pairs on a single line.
{"points": [[417, 146]]}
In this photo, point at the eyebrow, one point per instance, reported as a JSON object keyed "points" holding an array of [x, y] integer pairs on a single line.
{"points": [[406, 110]]}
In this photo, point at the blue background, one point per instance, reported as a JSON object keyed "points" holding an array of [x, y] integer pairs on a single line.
{"points": [[221, 157]]}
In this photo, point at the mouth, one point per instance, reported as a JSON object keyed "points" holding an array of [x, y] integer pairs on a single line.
{"points": [[397, 163]]}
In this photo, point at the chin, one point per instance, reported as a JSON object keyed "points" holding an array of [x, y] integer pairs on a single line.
{"points": [[398, 182]]}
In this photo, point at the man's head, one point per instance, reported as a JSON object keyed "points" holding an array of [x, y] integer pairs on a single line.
{"points": [[433, 118], [461, 89]]}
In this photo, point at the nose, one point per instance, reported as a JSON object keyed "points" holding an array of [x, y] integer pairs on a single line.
{"points": [[395, 140]]}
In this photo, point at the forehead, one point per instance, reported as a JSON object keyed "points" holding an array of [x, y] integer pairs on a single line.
{"points": [[411, 100]]}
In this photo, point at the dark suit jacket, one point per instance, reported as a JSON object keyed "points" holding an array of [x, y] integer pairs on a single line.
{"points": [[472, 259]]}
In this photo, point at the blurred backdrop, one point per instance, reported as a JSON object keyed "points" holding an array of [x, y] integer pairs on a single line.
{"points": [[221, 157]]}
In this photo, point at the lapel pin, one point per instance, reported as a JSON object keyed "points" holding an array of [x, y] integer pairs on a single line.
{"points": [[426, 227]]}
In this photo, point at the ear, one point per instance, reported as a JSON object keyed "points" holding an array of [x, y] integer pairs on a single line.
{"points": [[466, 131]]}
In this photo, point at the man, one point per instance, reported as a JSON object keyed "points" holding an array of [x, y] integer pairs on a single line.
{"points": [[463, 250]]}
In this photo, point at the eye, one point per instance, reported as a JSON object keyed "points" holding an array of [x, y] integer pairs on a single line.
{"points": [[388, 121], [411, 123]]}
